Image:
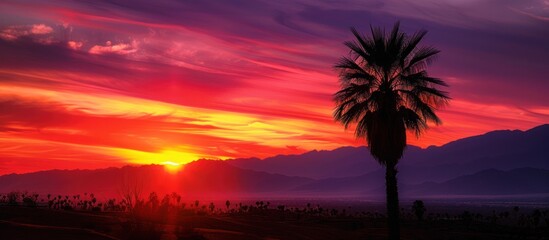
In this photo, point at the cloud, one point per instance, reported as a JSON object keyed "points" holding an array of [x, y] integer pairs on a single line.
{"points": [[56, 124], [542, 16], [60, 122], [74, 45], [120, 48], [15, 32], [41, 29]]}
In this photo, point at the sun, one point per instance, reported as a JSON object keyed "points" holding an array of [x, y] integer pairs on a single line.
{"points": [[172, 160], [172, 167]]}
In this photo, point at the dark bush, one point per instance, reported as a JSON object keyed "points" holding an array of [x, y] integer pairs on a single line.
{"points": [[419, 209], [13, 198]]}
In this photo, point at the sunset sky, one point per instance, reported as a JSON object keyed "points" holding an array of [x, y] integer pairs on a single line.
{"points": [[92, 84]]}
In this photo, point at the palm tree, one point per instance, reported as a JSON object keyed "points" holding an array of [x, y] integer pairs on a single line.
{"points": [[385, 90]]}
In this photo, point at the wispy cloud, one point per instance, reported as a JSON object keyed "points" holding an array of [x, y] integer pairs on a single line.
{"points": [[110, 48], [15, 32]]}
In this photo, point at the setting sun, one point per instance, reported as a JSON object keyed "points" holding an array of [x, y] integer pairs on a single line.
{"points": [[171, 158], [172, 167]]}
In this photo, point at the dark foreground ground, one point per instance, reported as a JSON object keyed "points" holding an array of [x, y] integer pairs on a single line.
{"points": [[42, 223]]}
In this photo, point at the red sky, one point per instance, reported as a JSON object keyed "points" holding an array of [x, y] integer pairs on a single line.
{"points": [[90, 84]]}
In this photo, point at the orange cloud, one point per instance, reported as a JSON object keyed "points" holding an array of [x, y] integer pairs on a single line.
{"points": [[75, 45], [109, 48], [15, 32]]}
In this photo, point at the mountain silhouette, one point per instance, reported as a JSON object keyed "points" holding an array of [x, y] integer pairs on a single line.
{"points": [[503, 150], [204, 178], [495, 163], [490, 182], [340, 162], [485, 182]]}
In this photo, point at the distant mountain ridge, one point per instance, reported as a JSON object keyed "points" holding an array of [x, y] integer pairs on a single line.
{"points": [[485, 182], [490, 182], [502, 149], [496, 163], [205, 178], [340, 162]]}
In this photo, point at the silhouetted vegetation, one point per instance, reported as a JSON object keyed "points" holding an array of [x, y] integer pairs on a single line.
{"points": [[154, 217], [419, 209]]}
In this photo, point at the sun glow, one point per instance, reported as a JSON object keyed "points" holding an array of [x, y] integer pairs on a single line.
{"points": [[172, 167], [173, 160]]}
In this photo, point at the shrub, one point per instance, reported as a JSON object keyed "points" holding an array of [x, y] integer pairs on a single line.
{"points": [[30, 200], [419, 209], [13, 198]]}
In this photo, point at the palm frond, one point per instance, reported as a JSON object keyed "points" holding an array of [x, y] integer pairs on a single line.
{"points": [[350, 70], [412, 120], [419, 79], [430, 91], [423, 109], [412, 43], [353, 91], [420, 59], [365, 43], [350, 113], [357, 51]]}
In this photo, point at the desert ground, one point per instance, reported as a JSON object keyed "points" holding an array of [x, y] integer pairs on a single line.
{"points": [[263, 221]]}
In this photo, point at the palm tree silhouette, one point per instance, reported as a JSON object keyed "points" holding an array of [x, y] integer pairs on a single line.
{"points": [[385, 90]]}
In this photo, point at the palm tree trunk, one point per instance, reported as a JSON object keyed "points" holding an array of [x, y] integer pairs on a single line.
{"points": [[392, 201]]}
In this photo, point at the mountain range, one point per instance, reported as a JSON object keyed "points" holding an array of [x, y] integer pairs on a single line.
{"points": [[503, 150], [496, 163]]}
